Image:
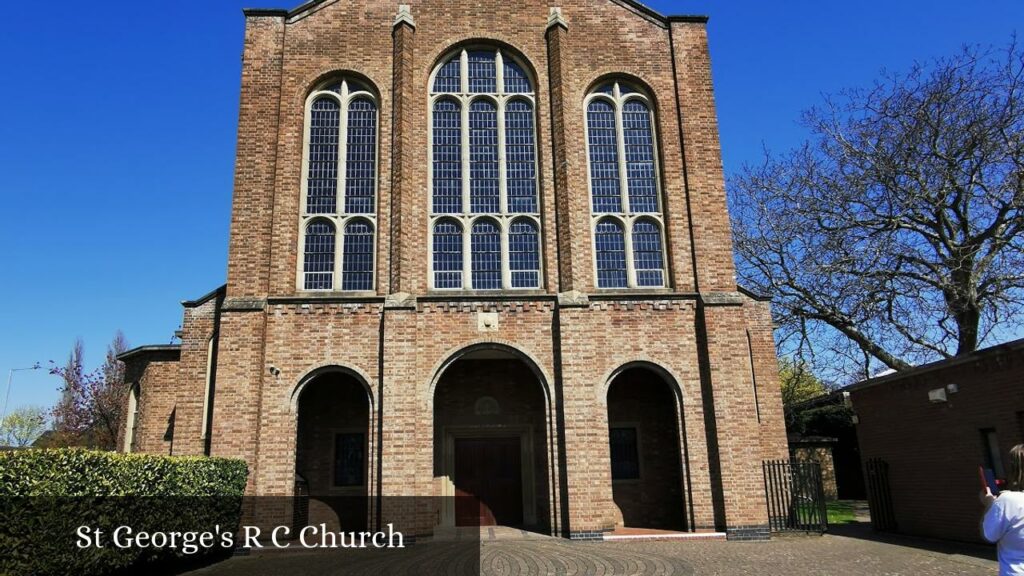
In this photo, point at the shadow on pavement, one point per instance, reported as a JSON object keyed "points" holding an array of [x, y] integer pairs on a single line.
{"points": [[864, 531]]}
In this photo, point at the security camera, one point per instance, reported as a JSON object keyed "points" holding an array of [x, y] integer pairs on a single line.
{"points": [[275, 371]]}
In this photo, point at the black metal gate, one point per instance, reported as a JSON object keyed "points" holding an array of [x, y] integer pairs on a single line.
{"points": [[876, 472], [796, 496]]}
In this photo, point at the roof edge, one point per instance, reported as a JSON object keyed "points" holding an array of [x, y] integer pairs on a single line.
{"points": [[219, 291], [996, 350], [752, 295], [150, 349], [689, 18], [638, 6], [266, 12]]}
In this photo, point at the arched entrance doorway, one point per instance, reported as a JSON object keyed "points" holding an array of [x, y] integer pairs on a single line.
{"points": [[491, 441], [646, 460], [332, 450]]}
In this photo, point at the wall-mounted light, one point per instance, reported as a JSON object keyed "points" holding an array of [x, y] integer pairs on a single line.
{"points": [[937, 395]]}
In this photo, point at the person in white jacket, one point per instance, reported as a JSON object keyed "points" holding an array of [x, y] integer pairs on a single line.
{"points": [[1003, 523]]}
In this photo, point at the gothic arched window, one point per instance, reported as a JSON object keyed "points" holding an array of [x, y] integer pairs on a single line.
{"points": [[624, 188], [484, 173], [339, 187]]}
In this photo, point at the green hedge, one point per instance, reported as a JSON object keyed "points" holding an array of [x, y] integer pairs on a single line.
{"points": [[46, 495]]}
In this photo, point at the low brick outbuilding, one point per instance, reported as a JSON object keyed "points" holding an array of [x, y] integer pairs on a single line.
{"points": [[932, 427]]}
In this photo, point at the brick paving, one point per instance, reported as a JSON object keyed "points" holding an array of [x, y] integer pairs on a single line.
{"points": [[507, 554]]}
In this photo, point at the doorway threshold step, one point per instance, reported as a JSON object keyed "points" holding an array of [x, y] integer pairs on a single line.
{"points": [[620, 534]]}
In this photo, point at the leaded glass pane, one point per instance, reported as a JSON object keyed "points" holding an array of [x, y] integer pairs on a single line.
{"points": [[447, 255], [520, 157], [447, 197], [357, 257], [647, 257], [604, 157], [482, 72], [636, 124], [524, 254], [361, 157], [318, 263], [516, 81], [449, 77], [611, 255], [322, 177], [483, 157], [486, 250]]}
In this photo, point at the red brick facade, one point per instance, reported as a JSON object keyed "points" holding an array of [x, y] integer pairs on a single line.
{"points": [[933, 449], [705, 345]]}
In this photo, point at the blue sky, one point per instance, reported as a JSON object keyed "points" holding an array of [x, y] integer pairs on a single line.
{"points": [[117, 137]]}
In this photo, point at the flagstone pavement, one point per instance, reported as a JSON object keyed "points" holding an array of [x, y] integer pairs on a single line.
{"points": [[510, 552]]}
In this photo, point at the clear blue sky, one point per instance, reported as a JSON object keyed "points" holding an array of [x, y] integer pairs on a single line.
{"points": [[117, 135]]}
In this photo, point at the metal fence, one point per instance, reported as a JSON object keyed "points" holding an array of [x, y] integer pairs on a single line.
{"points": [[876, 471], [796, 496]]}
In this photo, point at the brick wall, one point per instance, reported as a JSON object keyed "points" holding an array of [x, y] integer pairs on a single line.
{"points": [[934, 449], [155, 376], [710, 344], [822, 454]]}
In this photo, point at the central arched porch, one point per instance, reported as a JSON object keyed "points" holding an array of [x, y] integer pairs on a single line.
{"points": [[492, 452]]}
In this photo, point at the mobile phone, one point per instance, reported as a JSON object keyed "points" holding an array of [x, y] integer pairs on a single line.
{"points": [[988, 480]]}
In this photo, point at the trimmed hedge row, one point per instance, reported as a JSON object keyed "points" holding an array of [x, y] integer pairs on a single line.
{"points": [[47, 495]]}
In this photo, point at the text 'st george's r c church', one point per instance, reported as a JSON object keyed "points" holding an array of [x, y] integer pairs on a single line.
{"points": [[479, 248]]}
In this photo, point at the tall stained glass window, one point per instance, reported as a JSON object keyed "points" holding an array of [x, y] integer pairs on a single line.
{"points": [[624, 188], [340, 187], [484, 177]]}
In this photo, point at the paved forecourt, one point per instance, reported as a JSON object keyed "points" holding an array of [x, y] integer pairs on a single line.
{"points": [[508, 553]]}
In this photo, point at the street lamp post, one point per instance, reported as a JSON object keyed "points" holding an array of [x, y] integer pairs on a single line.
{"points": [[10, 380]]}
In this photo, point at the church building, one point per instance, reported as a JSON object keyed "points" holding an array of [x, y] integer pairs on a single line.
{"points": [[479, 248]]}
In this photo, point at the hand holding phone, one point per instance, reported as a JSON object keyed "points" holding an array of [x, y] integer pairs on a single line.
{"points": [[988, 480]]}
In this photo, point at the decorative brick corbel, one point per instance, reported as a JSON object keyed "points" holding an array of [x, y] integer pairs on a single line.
{"points": [[555, 18], [404, 16]]}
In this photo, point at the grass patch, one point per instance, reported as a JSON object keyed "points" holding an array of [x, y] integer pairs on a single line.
{"points": [[839, 511]]}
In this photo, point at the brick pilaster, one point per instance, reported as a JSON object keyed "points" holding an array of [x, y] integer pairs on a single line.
{"points": [[403, 37], [715, 270], [735, 451], [568, 268], [252, 207]]}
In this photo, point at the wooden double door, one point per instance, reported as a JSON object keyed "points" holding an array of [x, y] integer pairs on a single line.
{"points": [[488, 482]]}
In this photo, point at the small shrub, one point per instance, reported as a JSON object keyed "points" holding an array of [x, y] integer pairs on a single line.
{"points": [[46, 495]]}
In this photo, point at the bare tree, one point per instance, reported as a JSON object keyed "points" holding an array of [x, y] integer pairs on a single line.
{"points": [[894, 236]]}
